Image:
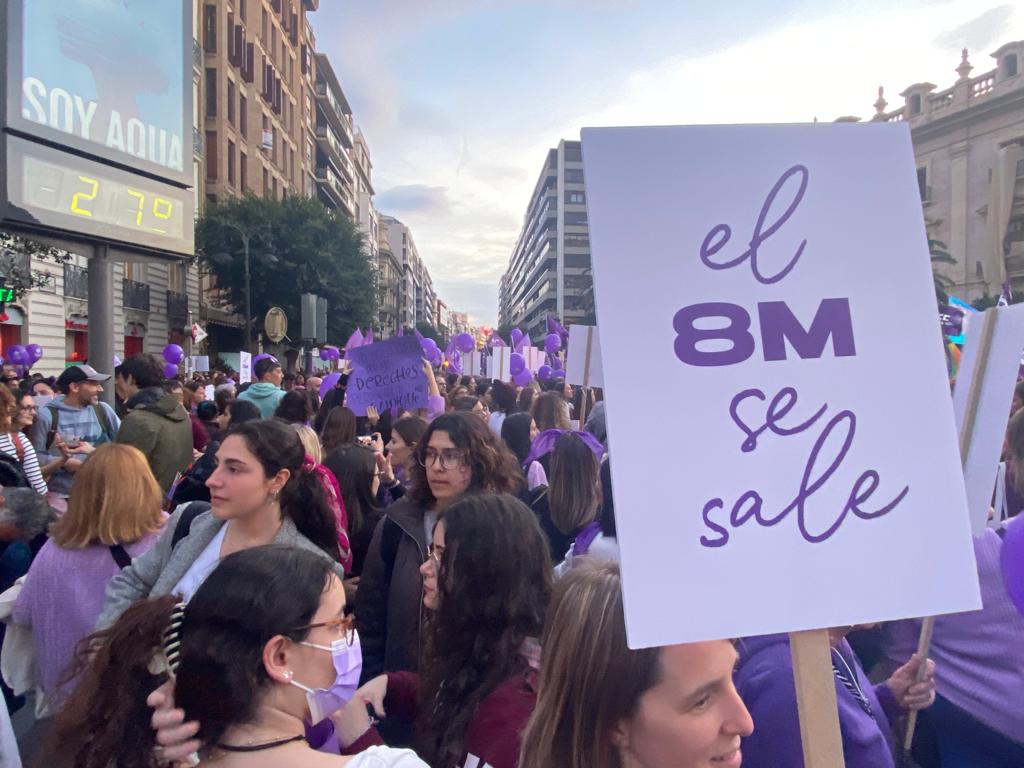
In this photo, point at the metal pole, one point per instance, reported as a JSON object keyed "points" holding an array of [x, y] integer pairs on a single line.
{"points": [[248, 295], [101, 317]]}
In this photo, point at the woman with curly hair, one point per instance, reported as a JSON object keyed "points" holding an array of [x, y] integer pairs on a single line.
{"points": [[486, 585], [457, 454]]}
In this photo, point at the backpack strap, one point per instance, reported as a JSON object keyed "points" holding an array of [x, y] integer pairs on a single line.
{"points": [[184, 525], [54, 418], [120, 555], [104, 421]]}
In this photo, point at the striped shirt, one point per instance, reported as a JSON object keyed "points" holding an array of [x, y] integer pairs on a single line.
{"points": [[27, 459]]}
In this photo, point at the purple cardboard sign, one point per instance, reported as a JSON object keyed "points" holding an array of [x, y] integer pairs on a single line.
{"points": [[388, 374]]}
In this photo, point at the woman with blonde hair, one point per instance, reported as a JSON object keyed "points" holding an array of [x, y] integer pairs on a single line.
{"points": [[113, 516]]}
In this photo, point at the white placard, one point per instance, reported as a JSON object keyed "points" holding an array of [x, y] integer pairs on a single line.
{"points": [[993, 406], [209, 391], [500, 361], [583, 358], [201, 363], [788, 400], [471, 363], [244, 367]]}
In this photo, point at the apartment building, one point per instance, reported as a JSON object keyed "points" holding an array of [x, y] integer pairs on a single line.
{"points": [[365, 213], [549, 269], [969, 145], [404, 249], [335, 172], [390, 280]]}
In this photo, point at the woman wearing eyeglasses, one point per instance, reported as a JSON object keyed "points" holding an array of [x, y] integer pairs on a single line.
{"points": [[13, 443], [263, 649], [457, 454], [486, 585]]}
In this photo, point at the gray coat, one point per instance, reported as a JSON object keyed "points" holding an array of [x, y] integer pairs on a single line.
{"points": [[156, 573]]}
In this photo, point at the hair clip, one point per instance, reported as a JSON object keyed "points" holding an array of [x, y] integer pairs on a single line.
{"points": [[170, 652]]}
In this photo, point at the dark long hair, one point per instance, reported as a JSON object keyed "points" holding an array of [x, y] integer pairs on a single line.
{"points": [[354, 467], [411, 427], [339, 429], [493, 466], [493, 587], [515, 431], [294, 408], [277, 446], [503, 397], [334, 397], [574, 484], [250, 597]]}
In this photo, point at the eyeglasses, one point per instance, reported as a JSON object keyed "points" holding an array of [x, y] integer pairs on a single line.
{"points": [[28, 407], [450, 458], [342, 626], [435, 553]]}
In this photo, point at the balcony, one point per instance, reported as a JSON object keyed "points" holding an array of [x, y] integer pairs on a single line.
{"points": [[332, 148], [334, 188], [197, 55], [76, 282], [177, 305], [341, 121], [136, 295], [197, 143]]}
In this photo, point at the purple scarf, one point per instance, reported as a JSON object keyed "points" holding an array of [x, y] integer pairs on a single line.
{"points": [[545, 443]]}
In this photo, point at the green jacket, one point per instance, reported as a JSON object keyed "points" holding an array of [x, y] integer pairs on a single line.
{"points": [[162, 430]]}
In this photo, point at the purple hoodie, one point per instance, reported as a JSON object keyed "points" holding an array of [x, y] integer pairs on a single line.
{"points": [[764, 679]]}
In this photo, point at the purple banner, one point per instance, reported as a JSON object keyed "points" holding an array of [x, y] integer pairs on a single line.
{"points": [[952, 320], [388, 374]]}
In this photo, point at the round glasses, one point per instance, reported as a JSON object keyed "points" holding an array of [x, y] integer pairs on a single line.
{"points": [[342, 626], [450, 458]]}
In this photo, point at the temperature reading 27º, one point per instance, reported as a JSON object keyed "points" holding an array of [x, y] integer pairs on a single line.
{"points": [[131, 206]]}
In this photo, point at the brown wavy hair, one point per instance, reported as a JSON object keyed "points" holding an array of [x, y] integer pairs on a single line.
{"points": [[549, 412], [493, 587], [494, 466]]}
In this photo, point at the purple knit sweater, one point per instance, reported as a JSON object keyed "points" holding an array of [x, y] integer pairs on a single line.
{"points": [[60, 601]]}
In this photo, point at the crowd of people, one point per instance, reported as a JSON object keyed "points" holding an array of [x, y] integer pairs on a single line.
{"points": [[264, 578]]}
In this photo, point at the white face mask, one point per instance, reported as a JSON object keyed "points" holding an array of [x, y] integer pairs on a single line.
{"points": [[348, 664]]}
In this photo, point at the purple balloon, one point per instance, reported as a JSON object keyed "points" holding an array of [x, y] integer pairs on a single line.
{"points": [[516, 364], [256, 359], [1011, 561], [35, 353], [17, 355], [523, 378], [435, 356], [117, 361], [325, 353], [556, 363], [517, 336], [545, 372], [552, 343], [173, 355], [170, 370], [464, 342], [558, 375], [329, 382]]}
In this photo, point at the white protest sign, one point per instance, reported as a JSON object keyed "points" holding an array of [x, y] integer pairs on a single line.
{"points": [[533, 357], [583, 358], [244, 367], [816, 473], [201, 363], [998, 363], [499, 364], [209, 391], [471, 363]]}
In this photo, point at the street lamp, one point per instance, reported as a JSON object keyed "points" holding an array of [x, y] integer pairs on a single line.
{"points": [[268, 258]]}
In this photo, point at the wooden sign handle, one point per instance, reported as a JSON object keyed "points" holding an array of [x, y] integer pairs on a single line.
{"points": [[816, 699]]}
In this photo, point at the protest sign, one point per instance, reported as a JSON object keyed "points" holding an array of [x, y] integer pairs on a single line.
{"points": [[387, 374], [499, 364], [209, 391], [201, 363], [472, 364], [809, 442], [244, 367], [989, 364], [583, 358]]}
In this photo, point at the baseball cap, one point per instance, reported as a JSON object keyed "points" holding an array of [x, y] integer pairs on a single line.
{"points": [[78, 373]]}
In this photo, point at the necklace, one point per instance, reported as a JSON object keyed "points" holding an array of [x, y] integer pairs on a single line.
{"points": [[260, 747]]}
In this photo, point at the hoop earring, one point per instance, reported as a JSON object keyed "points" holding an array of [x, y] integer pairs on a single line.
{"points": [[274, 496]]}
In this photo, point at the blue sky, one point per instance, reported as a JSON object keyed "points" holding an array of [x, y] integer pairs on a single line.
{"points": [[459, 100]]}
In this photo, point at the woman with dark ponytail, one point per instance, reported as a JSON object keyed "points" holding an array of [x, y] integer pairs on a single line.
{"points": [[263, 491], [263, 649]]}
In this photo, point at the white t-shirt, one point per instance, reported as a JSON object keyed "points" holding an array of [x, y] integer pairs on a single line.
{"points": [[386, 757], [201, 567]]}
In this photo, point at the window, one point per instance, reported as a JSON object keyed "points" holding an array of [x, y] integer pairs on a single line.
{"points": [[578, 218], [243, 172], [575, 198], [266, 182], [915, 104], [176, 278], [211, 155], [231, 102], [210, 28], [263, 29], [274, 186], [243, 114], [211, 92], [241, 8], [922, 184], [573, 175], [231, 162], [577, 239], [573, 153], [1010, 65]]}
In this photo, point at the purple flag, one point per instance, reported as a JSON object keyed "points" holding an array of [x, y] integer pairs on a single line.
{"points": [[368, 338], [355, 340], [952, 320]]}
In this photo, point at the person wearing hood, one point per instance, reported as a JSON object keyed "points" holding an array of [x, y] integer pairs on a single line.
{"points": [[867, 713], [82, 420], [160, 427], [266, 394]]}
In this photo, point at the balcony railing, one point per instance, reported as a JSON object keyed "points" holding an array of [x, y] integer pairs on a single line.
{"points": [[197, 143], [136, 294], [76, 282], [177, 305]]}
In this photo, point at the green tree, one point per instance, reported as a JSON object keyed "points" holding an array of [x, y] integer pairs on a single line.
{"points": [[428, 331], [940, 255], [16, 253], [296, 246]]}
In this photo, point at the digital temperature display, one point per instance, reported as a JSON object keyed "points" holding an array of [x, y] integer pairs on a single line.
{"points": [[48, 188]]}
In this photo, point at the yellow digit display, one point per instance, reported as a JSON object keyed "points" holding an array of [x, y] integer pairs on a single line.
{"points": [[91, 195], [142, 201], [165, 214]]}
